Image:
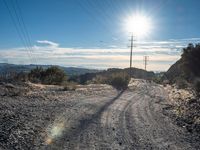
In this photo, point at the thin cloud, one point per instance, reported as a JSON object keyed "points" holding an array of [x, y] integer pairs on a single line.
{"points": [[161, 54], [49, 43]]}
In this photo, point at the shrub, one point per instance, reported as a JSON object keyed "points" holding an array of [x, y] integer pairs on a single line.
{"points": [[52, 75], [70, 86], [157, 80], [22, 76], [119, 80], [36, 75], [99, 79]]}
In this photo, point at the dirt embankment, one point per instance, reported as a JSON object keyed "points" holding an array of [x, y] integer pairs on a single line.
{"points": [[184, 108]]}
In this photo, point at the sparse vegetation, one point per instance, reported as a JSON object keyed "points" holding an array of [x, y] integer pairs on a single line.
{"points": [[157, 80], [70, 86], [118, 80], [22, 76], [100, 77], [52, 75], [36, 75], [14, 77]]}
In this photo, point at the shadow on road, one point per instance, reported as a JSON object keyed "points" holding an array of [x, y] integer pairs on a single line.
{"points": [[82, 125]]}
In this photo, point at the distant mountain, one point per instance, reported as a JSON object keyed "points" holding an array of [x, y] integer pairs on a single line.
{"points": [[187, 67], [135, 72], [70, 71]]}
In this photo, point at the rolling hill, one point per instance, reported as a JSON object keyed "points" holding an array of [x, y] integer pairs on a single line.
{"points": [[70, 71]]}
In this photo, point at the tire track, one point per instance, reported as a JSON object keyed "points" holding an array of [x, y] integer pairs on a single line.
{"points": [[131, 120], [157, 132], [117, 128]]}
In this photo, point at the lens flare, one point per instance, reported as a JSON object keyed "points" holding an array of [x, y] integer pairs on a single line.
{"points": [[54, 132]]}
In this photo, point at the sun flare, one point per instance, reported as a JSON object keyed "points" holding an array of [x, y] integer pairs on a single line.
{"points": [[138, 25]]}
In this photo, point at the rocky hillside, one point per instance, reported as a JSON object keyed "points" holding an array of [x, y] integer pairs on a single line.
{"points": [[187, 67], [184, 92]]}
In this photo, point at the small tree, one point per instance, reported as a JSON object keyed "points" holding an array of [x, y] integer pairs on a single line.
{"points": [[119, 80], [21, 76], [54, 75], [36, 75]]}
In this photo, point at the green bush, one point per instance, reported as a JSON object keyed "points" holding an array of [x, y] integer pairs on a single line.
{"points": [[119, 81], [36, 74], [52, 75], [157, 80]]}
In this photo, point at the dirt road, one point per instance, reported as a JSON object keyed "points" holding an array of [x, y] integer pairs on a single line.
{"points": [[131, 119]]}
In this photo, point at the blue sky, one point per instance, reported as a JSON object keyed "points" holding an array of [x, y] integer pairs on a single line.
{"points": [[89, 33]]}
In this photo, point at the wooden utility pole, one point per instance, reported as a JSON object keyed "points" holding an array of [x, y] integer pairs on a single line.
{"points": [[146, 59], [131, 53]]}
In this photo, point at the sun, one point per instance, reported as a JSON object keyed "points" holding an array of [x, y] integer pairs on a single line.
{"points": [[138, 25]]}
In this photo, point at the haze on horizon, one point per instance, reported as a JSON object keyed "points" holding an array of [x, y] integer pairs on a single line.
{"points": [[90, 34]]}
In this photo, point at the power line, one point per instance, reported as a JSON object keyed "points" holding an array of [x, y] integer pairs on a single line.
{"points": [[17, 19], [23, 27], [91, 7], [90, 4], [17, 29]]}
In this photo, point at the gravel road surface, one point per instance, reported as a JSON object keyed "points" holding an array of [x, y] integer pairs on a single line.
{"points": [[97, 117]]}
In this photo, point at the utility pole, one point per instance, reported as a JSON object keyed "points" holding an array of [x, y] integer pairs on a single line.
{"points": [[146, 58], [131, 55]]}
